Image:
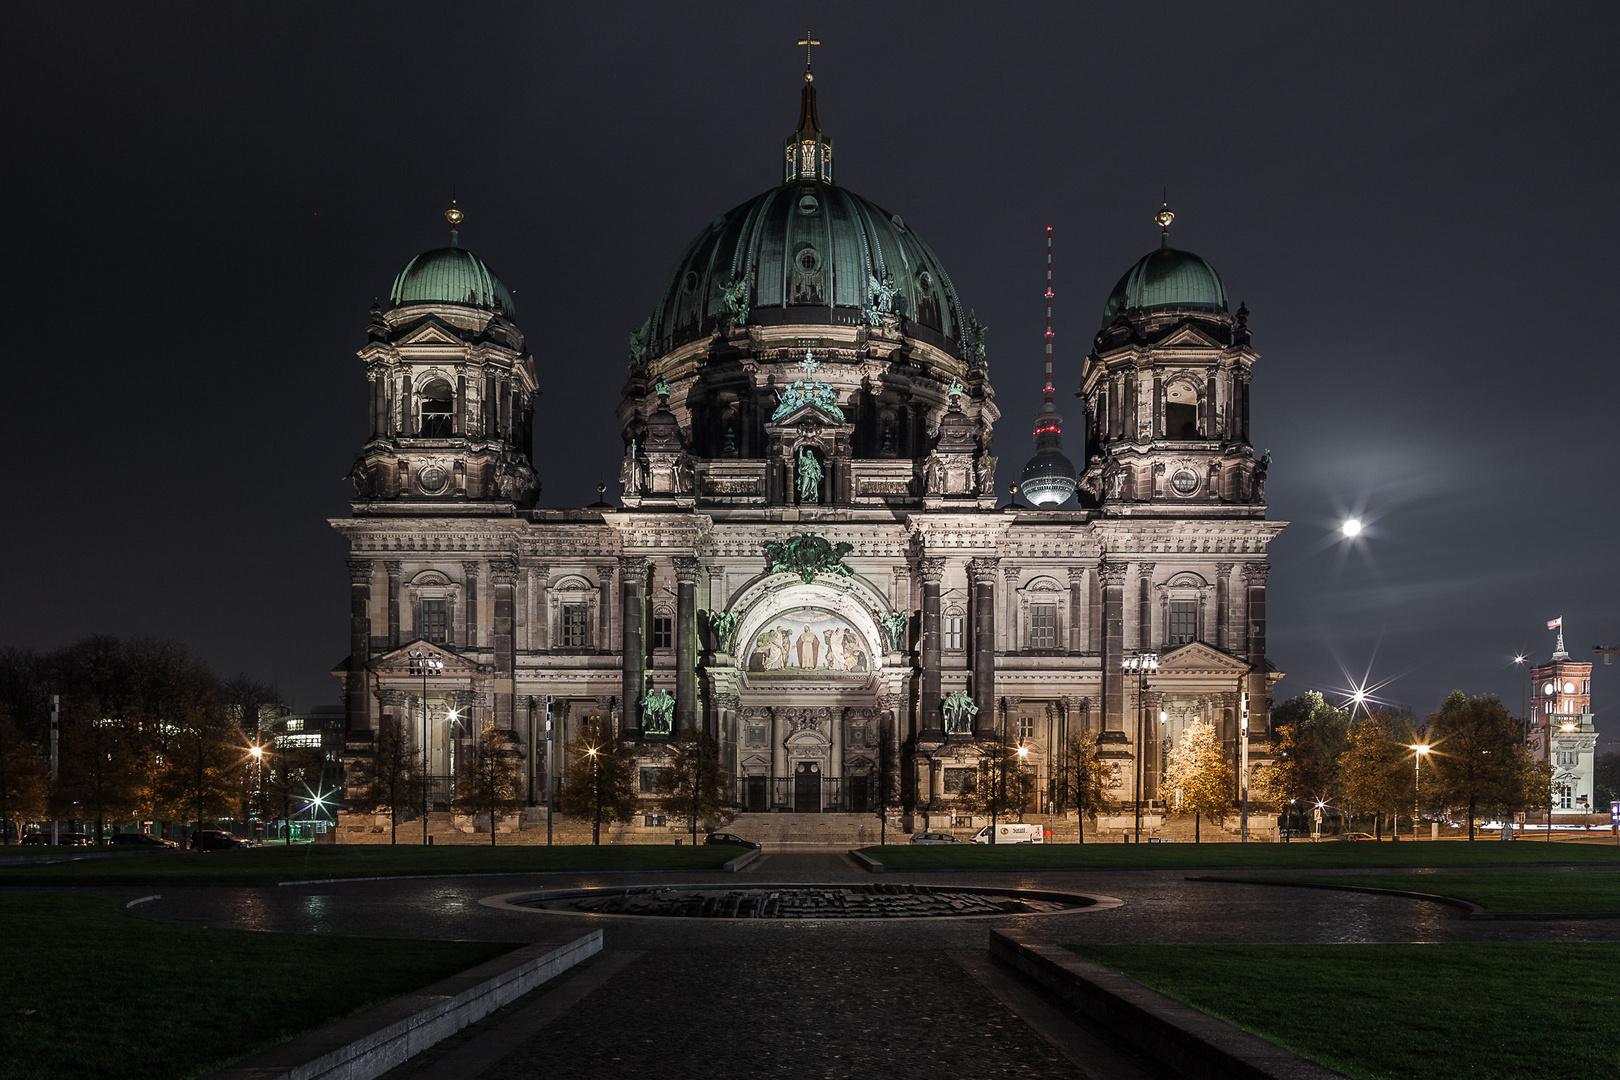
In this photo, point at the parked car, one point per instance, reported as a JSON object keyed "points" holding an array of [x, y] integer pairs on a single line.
{"points": [[1354, 836], [214, 840], [1011, 833], [728, 838], [935, 838], [142, 840]]}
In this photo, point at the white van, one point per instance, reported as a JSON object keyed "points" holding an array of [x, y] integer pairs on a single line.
{"points": [[1012, 834]]}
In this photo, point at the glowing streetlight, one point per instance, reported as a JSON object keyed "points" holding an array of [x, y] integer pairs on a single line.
{"points": [[1418, 750], [1351, 528]]}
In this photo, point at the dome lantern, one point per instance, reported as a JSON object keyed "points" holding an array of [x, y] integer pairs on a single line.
{"points": [[808, 151]]}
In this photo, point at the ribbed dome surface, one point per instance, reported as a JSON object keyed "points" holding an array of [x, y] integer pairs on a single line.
{"points": [[451, 275], [1167, 278], [809, 252]]}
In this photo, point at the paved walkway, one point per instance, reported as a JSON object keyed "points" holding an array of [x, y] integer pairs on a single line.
{"points": [[904, 998]]}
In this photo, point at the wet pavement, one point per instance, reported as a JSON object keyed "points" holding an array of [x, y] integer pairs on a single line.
{"points": [[901, 998]]}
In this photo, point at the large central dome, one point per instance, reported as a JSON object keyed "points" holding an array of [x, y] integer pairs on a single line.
{"points": [[804, 253]]}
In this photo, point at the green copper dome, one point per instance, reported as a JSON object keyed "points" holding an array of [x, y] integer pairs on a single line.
{"points": [[1167, 278], [808, 252], [451, 275]]}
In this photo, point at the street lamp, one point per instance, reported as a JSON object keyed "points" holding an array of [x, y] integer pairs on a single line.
{"points": [[596, 782], [257, 753], [424, 665], [1524, 695], [1418, 750], [1351, 528], [1141, 663]]}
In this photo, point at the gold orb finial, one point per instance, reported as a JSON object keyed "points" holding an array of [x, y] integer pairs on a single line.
{"points": [[600, 488], [1165, 216], [1012, 489], [454, 215]]}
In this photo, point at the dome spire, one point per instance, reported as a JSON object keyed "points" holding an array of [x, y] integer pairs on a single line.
{"points": [[454, 216], [1164, 217], [808, 152]]}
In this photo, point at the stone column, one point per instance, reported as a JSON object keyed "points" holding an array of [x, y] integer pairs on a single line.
{"points": [[540, 605], [1144, 607], [778, 753], [461, 403], [604, 608], [1223, 606], [469, 633], [407, 411], [1077, 609], [902, 589], [633, 597], [395, 570], [357, 705], [686, 685], [933, 722], [1152, 703], [835, 748], [1010, 643], [1254, 578], [1112, 576], [982, 580], [725, 730], [504, 572]]}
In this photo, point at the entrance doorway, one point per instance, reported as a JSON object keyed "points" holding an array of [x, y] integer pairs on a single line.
{"points": [[858, 787], [807, 788], [754, 794]]}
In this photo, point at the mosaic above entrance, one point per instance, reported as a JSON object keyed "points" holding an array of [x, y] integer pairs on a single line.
{"points": [[807, 641]]}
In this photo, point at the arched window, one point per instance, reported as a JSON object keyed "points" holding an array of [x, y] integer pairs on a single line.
{"points": [[1181, 412], [438, 410]]}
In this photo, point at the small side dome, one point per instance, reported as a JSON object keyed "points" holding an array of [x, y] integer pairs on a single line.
{"points": [[1167, 278], [451, 275]]}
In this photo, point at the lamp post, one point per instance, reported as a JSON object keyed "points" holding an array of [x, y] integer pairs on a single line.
{"points": [[1418, 750], [1141, 663], [257, 753], [425, 666], [1524, 695], [596, 782]]}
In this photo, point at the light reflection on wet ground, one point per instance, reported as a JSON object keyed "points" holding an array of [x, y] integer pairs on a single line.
{"points": [[1161, 906]]}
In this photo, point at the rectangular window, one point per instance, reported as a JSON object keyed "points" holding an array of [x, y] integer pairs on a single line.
{"points": [[1183, 621], [1026, 729], [953, 633], [652, 819], [756, 735], [960, 781], [663, 632], [652, 779], [573, 626], [857, 735], [1043, 626], [433, 621]]}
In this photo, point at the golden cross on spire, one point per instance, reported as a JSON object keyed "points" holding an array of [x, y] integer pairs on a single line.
{"points": [[807, 43]]}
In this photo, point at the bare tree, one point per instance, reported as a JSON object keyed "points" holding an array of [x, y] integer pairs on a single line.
{"points": [[1004, 785], [390, 777], [489, 780], [599, 783], [696, 787], [23, 777], [1084, 779]]}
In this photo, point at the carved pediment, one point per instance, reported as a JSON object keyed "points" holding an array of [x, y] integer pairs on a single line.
{"points": [[1201, 658], [398, 662], [1189, 336], [431, 331]]}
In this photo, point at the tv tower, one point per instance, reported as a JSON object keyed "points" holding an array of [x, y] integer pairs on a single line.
{"points": [[1049, 478]]}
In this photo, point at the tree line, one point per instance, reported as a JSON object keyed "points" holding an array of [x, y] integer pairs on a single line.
{"points": [[146, 732]]}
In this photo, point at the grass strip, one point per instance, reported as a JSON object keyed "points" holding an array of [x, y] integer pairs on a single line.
{"points": [[1549, 890], [1305, 856], [91, 991], [298, 862], [1393, 1012]]}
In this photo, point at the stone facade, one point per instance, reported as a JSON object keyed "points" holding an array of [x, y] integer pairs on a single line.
{"points": [[809, 555]]}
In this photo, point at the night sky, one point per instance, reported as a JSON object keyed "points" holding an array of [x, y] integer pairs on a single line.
{"points": [[1416, 202]]}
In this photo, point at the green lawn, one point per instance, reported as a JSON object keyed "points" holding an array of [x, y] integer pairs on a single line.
{"points": [[90, 991], [268, 865], [1393, 1012], [1187, 856], [1548, 890]]}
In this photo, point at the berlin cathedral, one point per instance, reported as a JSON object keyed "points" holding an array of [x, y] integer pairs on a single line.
{"points": [[809, 559]]}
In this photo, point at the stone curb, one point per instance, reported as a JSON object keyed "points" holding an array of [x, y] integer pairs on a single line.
{"points": [[1180, 1037], [368, 1045], [1473, 911], [872, 865], [742, 860]]}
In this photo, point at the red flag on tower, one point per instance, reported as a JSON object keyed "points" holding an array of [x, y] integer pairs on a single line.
{"points": [[1556, 624]]}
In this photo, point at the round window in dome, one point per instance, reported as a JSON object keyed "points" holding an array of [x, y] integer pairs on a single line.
{"points": [[809, 205], [690, 281], [808, 260], [1184, 482]]}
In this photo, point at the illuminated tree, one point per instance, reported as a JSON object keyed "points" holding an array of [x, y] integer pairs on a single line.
{"points": [[1375, 771], [1197, 778], [390, 777], [1004, 785], [24, 775], [1479, 759], [1084, 779]]}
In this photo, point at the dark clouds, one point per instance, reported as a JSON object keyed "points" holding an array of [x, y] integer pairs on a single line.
{"points": [[1414, 203]]}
